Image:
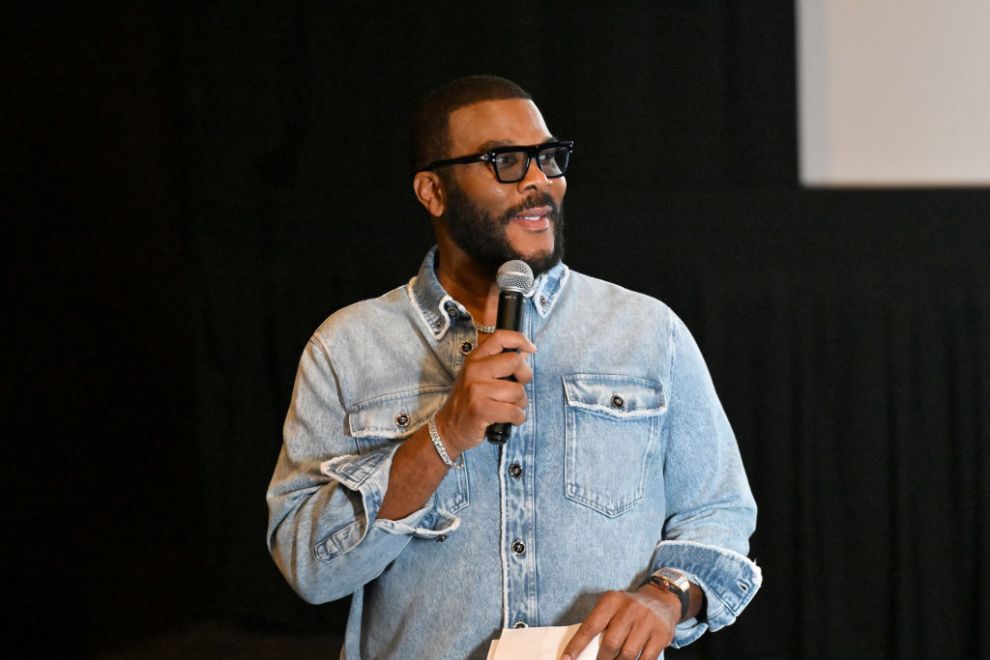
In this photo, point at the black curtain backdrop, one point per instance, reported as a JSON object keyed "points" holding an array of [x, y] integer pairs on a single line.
{"points": [[196, 187]]}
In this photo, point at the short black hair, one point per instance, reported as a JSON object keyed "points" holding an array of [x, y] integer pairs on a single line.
{"points": [[429, 134]]}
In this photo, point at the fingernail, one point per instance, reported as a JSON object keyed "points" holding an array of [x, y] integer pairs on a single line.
{"points": [[565, 657]]}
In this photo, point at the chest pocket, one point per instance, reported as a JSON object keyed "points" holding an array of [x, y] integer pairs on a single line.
{"points": [[613, 429], [390, 418]]}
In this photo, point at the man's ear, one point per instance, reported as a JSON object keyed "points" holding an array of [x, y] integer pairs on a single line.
{"points": [[430, 193]]}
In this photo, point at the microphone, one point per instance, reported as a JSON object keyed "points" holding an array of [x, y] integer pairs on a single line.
{"points": [[514, 279]]}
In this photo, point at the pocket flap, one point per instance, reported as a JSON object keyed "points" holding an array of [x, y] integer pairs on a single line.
{"points": [[395, 415], [615, 395]]}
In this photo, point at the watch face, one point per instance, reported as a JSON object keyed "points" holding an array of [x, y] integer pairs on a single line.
{"points": [[676, 580]]}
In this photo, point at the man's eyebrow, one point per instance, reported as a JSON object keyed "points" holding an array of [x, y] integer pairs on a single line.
{"points": [[495, 144]]}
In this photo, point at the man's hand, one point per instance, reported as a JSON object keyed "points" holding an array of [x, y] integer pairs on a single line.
{"points": [[636, 625], [480, 398], [477, 399]]}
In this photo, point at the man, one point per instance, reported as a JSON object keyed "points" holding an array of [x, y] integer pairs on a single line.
{"points": [[620, 499]]}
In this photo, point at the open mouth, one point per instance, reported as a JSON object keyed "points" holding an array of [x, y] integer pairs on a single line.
{"points": [[534, 218]]}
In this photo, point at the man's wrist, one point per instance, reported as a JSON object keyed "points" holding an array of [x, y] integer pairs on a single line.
{"points": [[676, 583], [448, 435], [438, 444]]}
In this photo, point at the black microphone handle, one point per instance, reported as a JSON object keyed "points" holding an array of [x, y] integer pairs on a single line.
{"points": [[510, 311]]}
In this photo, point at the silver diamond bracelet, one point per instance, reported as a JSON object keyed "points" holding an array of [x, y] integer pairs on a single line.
{"points": [[431, 425]]}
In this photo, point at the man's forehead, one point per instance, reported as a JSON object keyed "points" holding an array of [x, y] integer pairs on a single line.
{"points": [[492, 123]]}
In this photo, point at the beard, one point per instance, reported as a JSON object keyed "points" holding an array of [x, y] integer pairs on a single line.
{"points": [[483, 237]]}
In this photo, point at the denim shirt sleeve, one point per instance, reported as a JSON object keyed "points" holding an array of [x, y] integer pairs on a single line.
{"points": [[324, 496], [710, 509]]}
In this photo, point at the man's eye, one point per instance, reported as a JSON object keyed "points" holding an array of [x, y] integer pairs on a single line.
{"points": [[506, 160]]}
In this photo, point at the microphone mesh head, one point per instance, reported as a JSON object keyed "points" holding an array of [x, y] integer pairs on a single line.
{"points": [[515, 275]]}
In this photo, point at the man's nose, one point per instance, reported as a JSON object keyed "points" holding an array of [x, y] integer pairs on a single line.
{"points": [[535, 178]]}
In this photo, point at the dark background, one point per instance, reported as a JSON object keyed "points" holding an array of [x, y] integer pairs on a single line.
{"points": [[190, 189]]}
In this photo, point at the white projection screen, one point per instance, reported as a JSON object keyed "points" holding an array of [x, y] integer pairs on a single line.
{"points": [[894, 92]]}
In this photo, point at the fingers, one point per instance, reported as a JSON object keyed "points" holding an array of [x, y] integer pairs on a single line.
{"points": [[637, 641], [615, 638], [502, 340], [478, 403], [497, 402], [629, 628], [617, 628], [488, 390], [507, 413], [506, 391], [654, 647], [501, 365], [593, 624]]}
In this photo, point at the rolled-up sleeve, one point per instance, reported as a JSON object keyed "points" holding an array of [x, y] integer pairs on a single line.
{"points": [[324, 497], [728, 579], [711, 512]]}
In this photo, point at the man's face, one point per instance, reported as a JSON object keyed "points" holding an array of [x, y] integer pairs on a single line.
{"points": [[494, 222], [484, 236]]}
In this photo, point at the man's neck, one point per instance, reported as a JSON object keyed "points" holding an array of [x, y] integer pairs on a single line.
{"points": [[468, 284]]}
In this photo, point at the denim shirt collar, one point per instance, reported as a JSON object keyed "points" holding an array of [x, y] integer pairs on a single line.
{"points": [[436, 307]]}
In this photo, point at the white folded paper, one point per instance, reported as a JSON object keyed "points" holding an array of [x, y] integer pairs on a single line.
{"points": [[544, 643]]}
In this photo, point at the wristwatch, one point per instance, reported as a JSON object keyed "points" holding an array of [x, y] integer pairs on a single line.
{"points": [[677, 583]]}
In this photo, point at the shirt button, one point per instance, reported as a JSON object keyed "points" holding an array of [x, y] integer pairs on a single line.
{"points": [[543, 301], [518, 547], [617, 401], [402, 419], [519, 624], [467, 347], [515, 470]]}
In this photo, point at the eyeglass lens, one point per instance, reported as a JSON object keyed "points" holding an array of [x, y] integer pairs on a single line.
{"points": [[511, 166]]}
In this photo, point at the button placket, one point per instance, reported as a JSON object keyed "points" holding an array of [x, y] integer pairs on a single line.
{"points": [[520, 543]]}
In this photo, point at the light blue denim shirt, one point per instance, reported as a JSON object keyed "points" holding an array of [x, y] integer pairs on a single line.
{"points": [[626, 463]]}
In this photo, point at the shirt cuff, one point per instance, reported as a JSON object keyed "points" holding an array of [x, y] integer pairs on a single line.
{"points": [[368, 474], [728, 579]]}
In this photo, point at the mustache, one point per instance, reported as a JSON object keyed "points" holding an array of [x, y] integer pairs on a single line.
{"points": [[538, 199]]}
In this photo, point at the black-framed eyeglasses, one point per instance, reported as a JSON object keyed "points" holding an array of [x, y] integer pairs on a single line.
{"points": [[511, 163]]}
